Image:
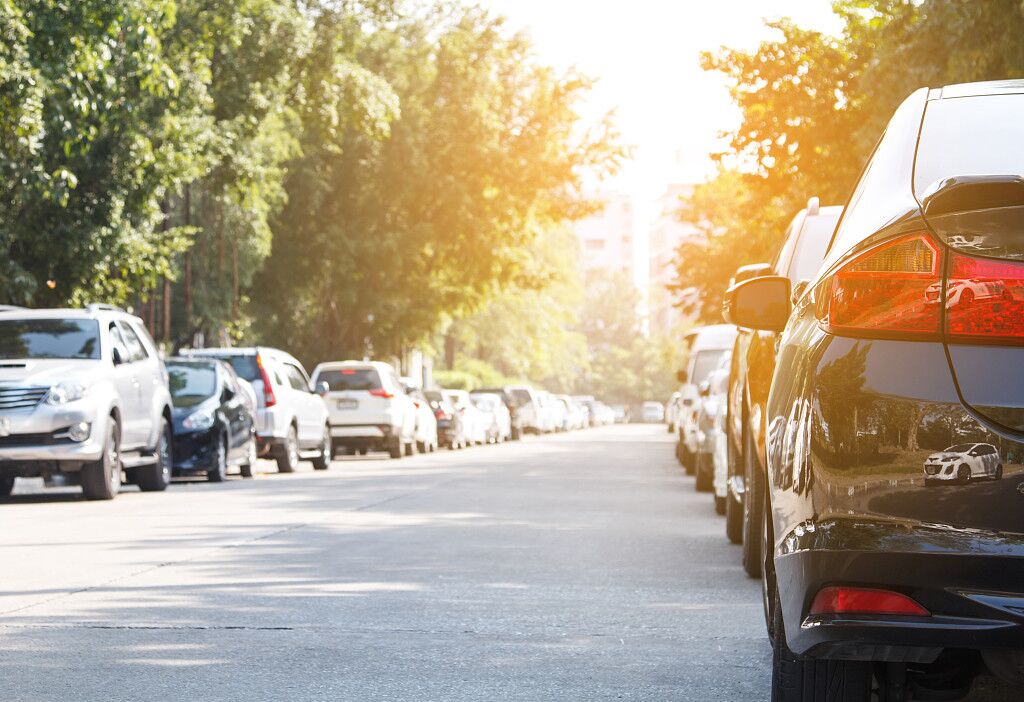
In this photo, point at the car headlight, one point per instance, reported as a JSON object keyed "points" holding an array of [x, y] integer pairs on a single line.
{"points": [[63, 393], [197, 421]]}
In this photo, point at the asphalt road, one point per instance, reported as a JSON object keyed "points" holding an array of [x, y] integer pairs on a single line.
{"points": [[572, 567]]}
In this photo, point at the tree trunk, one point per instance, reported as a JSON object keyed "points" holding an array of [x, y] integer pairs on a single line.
{"points": [[167, 309], [188, 260]]}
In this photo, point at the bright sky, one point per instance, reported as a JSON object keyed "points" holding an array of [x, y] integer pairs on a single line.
{"points": [[645, 54]]}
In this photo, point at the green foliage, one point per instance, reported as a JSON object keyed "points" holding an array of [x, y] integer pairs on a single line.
{"points": [[813, 106]]}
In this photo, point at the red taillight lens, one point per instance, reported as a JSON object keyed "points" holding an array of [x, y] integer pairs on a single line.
{"points": [[381, 392], [854, 600], [891, 289], [985, 299], [269, 400]]}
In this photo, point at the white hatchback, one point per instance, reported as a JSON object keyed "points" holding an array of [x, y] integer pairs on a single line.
{"points": [[369, 408]]}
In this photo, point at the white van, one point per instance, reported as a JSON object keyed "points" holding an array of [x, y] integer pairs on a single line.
{"points": [[703, 351]]}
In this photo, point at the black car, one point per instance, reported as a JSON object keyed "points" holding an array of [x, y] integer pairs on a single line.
{"points": [[879, 573], [213, 419], [450, 429], [512, 403]]}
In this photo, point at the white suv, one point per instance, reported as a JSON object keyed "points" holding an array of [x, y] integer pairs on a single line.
{"points": [[83, 397], [291, 416], [370, 409]]}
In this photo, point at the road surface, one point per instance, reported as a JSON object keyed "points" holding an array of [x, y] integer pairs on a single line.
{"points": [[572, 567]]}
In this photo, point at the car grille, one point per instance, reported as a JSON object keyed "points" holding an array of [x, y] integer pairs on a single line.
{"points": [[20, 398], [49, 439], [932, 470]]}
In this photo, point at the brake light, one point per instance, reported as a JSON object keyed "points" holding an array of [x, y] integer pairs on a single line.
{"points": [[441, 414], [854, 600], [381, 392], [893, 288], [985, 299], [269, 400]]}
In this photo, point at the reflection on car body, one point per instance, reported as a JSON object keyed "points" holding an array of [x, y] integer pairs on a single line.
{"points": [[963, 463]]}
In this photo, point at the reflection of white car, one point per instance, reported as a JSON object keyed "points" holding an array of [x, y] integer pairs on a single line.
{"points": [[963, 463], [965, 291], [474, 422]]}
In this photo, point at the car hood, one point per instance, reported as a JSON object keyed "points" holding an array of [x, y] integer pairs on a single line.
{"points": [[45, 372], [944, 457]]}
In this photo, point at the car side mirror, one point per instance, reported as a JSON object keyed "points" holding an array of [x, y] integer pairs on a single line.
{"points": [[705, 389], [760, 303], [681, 376], [322, 388], [117, 356], [228, 394]]}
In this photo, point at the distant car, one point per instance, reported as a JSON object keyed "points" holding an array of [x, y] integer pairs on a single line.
{"points": [[475, 423], [370, 408], [652, 412], [214, 419], [83, 396], [963, 463], [498, 419], [800, 255], [551, 412], [575, 415], [589, 405], [513, 402], [450, 425], [672, 408], [528, 410], [425, 430], [704, 349], [621, 413], [604, 414]]}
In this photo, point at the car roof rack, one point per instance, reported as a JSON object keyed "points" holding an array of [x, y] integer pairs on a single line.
{"points": [[103, 307]]}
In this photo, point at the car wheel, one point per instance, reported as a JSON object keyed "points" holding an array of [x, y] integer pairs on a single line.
{"points": [[963, 474], [322, 460], [410, 448], [967, 298], [156, 477], [101, 480], [705, 474], [6, 485], [999, 472], [248, 468], [802, 679], [517, 433], [719, 505], [288, 456], [753, 508], [733, 517], [421, 447], [219, 470], [768, 583], [395, 447]]}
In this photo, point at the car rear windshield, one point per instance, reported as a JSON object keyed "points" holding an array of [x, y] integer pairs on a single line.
{"points": [[433, 396], [49, 338], [244, 365], [981, 135], [521, 397], [960, 448], [810, 249], [706, 362], [365, 379], [191, 383]]}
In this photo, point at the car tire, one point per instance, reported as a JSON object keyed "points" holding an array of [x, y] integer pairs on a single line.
{"points": [[704, 477], [733, 518], [395, 447], [248, 467], [753, 509], [157, 476], [410, 448], [963, 474], [322, 460], [421, 447], [219, 470], [801, 679], [101, 480], [288, 455], [719, 505], [999, 472], [517, 434], [7, 485]]}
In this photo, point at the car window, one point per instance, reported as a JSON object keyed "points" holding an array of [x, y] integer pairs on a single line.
{"points": [[49, 338], [245, 366], [191, 383], [982, 135], [356, 379], [117, 342], [781, 263], [704, 363], [136, 351], [296, 378], [960, 448], [809, 251]]}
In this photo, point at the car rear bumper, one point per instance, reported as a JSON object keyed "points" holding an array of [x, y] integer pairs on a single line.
{"points": [[971, 583], [361, 431]]}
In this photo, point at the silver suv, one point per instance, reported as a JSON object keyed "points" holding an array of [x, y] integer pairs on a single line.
{"points": [[83, 397]]}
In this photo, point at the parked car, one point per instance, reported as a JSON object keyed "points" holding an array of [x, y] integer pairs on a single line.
{"points": [[963, 463], [719, 394], [672, 409], [528, 411], [589, 405], [575, 416], [83, 398], [621, 413], [753, 364], [512, 402], [550, 412], [496, 416], [475, 423], [425, 430], [703, 349], [873, 579], [292, 421], [214, 419], [604, 414], [652, 412], [370, 409], [450, 426], [711, 408]]}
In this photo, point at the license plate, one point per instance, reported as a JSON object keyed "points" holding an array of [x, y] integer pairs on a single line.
{"points": [[348, 404], [5, 426]]}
